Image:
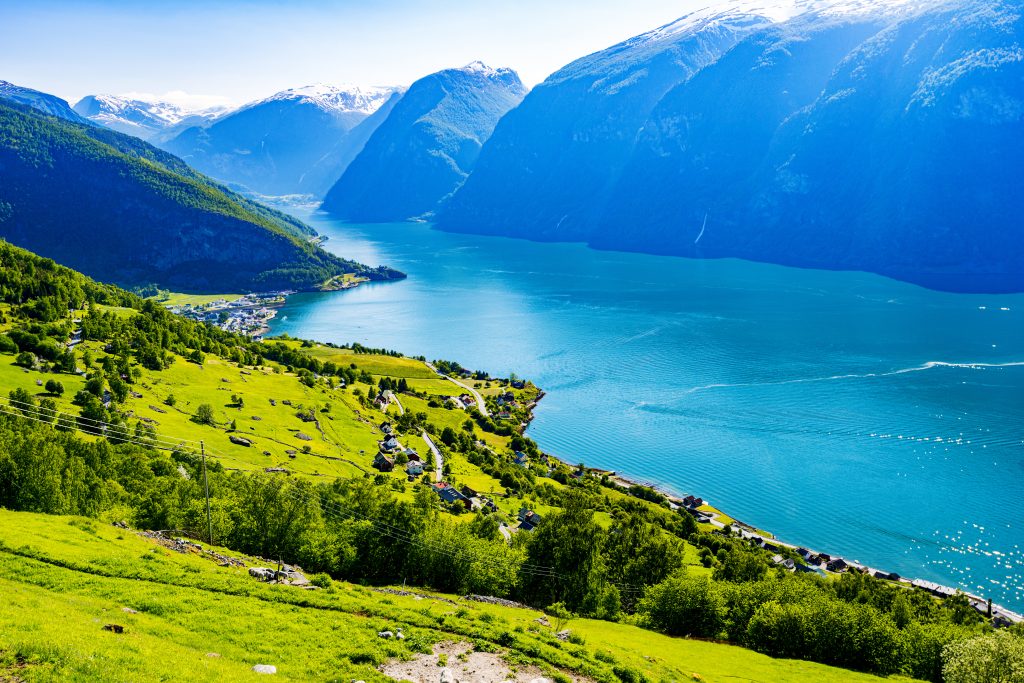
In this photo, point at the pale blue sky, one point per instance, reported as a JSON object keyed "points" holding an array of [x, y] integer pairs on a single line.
{"points": [[247, 49]]}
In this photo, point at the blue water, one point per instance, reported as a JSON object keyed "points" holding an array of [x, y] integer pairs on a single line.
{"points": [[844, 411]]}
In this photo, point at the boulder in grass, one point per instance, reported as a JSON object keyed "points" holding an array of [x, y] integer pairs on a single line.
{"points": [[240, 440], [265, 669], [303, 436]]}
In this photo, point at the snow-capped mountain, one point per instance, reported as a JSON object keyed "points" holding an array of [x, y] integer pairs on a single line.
{"points": [[342, 98], [427, 146], [297, 141], [879, 135], [44, 102], [143, 117]]}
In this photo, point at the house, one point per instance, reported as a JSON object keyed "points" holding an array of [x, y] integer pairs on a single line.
{"points": [[837, 564], [381, 401], [692, 502], [521, 459], [384, 463], [528, 520], [390, 444], [885, 576], [386, 427], [414, 468], [450, 494], [784, 562], [467, 400], [518, 384], [412, 454], [504, 415], [507, 397]]}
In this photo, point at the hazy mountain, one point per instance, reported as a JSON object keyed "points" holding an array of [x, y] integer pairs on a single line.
{"points": [[143, 118], [44, 102], [112, 206], [297, 141], [881, 136], [427, 146]]}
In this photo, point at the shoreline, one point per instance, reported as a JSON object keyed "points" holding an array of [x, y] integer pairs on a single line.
{"points": [[768, 540]]}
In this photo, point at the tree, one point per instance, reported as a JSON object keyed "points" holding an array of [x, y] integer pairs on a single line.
{"points": [[54, 387], [448, 437], [204, 414], [170, 400], [569, 543], [993, 658], [25, 359], [685, 606]]}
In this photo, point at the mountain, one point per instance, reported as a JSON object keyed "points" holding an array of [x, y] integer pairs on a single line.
{"points": [[143, 118], [550, 161], [427, 146], [865, 135], [114, 207], [295, 142], [44, 102]]}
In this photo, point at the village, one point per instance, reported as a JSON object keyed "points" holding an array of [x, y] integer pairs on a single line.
{"points": [[249, 314]]}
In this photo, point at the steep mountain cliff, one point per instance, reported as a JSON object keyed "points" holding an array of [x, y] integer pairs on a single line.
{"points": [[867, 135], [427, 146]]}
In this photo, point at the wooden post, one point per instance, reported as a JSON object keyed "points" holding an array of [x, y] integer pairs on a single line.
{"points": [[206, 486]]}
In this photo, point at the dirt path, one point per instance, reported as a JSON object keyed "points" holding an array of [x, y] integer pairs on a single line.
{"points": [[464, 666]]}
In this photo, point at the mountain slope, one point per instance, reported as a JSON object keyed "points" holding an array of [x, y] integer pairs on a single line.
{"points": [[295, 142], [427, 146], [120, 210], [859, 134], [551, 159], [145, 119], [41, 101]]}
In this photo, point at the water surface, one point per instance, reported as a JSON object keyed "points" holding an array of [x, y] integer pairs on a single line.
{"points": [[844, 411]]}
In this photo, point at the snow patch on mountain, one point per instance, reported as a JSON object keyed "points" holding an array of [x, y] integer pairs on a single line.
{"points": [[341, 98]]}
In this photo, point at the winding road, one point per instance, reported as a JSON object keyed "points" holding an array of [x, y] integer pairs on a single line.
{"points": [[438, 458], [480, 405]]}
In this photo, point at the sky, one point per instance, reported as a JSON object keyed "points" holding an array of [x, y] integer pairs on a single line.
{"points": [[236, 51]]}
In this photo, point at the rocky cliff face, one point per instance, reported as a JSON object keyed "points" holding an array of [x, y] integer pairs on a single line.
{"points": [[427, 146], [854, 135]]}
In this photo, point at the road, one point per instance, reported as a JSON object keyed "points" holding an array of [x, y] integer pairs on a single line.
{"points": [[438, 458]]}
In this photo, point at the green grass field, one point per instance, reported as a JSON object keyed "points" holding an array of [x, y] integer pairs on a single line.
{"points": [[186, 618], [179, 299]]}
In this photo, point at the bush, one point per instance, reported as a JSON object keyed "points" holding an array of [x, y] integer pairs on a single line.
{"points": [[684, 606], [994, 657]]}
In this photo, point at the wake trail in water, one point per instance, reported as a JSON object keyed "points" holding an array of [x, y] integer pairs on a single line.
{"points": [[867, 375]]}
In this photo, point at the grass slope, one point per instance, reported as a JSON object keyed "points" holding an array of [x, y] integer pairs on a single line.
{"points": [[65, 578]]}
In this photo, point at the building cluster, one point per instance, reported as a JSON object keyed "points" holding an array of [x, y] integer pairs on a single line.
{"points": [[249, 315]]}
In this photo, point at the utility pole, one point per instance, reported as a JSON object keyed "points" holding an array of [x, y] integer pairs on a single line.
{"points": [[206, 485]]}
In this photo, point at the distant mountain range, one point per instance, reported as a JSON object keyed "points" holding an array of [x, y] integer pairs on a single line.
{"points": [[154, 120], [854, 134], [427, 145], [117, 208], [296, 142]]}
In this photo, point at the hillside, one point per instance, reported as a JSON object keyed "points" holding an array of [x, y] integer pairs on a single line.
{"points": [[40, 101], [187, 618], [120, 411], [297, 141], [845, 134], [117, 208], [427, 146]]}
